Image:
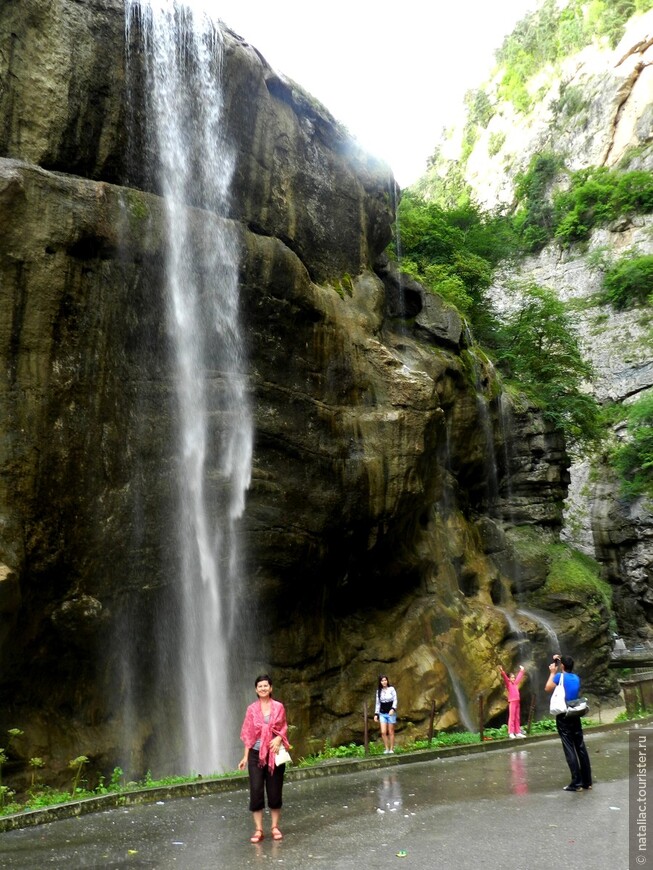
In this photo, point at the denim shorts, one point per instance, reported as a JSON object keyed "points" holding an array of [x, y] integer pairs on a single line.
{"points": [[388, 718]]}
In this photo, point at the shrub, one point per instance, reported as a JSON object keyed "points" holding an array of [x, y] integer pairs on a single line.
{"points": [[495, 143], [629, 282], [452, 251], [596, 196], [479, 107]]}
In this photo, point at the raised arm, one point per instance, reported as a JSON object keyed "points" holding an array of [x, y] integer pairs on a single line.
{"points": [[551, 683]]}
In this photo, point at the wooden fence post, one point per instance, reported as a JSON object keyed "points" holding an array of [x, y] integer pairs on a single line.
{"points": [[480, 716], [531, 713], [431, 722]]}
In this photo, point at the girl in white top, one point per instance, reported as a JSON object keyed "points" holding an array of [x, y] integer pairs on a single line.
{"points": [[385, 713]]}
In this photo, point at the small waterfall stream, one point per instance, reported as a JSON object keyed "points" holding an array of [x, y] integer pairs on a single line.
{"points": [[514, 626], [461, 698], [180, 53], [540, 619]]}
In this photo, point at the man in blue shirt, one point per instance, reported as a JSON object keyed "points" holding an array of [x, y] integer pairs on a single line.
{"points": [[570, 728]]}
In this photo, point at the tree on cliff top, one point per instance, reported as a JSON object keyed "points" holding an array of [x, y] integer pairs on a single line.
{"points": [[537, 347]]}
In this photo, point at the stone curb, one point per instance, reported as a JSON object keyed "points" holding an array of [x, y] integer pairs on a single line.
{"points": [[295, 774]]}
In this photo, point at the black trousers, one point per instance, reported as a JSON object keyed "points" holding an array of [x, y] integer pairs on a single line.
{"points": [[573, 745], [260, 779]]}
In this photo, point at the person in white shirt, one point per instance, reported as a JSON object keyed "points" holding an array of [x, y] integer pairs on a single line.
{"points": [[385, 713]]}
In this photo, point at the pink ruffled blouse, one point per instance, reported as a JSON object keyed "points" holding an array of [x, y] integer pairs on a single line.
{"points": [[256, 728]]}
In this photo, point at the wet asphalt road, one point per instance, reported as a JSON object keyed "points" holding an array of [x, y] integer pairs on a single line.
{"points": [[502, 809]]}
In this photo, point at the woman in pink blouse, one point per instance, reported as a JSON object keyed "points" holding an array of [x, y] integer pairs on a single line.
{"points": [[264, 731]]}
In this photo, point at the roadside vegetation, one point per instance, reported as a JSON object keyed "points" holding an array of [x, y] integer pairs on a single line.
{"points": [[40, 796], [441, 740]]}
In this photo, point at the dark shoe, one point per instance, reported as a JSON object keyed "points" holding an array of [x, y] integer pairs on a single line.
{"points": [[572, 788]]}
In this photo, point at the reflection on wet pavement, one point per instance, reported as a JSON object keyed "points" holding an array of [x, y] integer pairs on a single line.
{"points": [[501, 809]]}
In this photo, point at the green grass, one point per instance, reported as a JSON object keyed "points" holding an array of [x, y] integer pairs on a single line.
{"points": [[47, 797], [639, 713], [43, 796], [440, 740]]}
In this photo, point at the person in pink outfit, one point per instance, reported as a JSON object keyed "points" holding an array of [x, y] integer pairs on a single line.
{"points": [[512, 682], [264, 732]]}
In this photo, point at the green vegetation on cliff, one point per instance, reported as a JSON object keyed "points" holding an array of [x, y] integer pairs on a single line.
{"points": [[575, 576], [454, 252], [592, 197], [555, 31], [529, 57], [534, 221], [629, 281], [633, 459], [567, 574], [537, 347]]}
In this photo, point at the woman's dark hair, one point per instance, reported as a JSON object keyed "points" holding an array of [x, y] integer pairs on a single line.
{"points": [[381, 677], [261, 678]]}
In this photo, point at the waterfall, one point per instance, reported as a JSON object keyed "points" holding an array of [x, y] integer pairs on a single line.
{"points": [[179, 56], [513, 624], [461, 699], [540, 619]]}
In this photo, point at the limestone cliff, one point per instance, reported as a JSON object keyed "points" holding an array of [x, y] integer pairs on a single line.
{"points": [[594, 108], [387, 482]]}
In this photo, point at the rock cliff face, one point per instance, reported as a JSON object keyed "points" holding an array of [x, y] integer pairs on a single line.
{"points": [[598, 520], [388, 475], [595, 110]]}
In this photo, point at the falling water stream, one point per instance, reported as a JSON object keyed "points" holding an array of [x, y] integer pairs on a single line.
{"points": [[461, 699], [180, 54], [540, 619]]}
